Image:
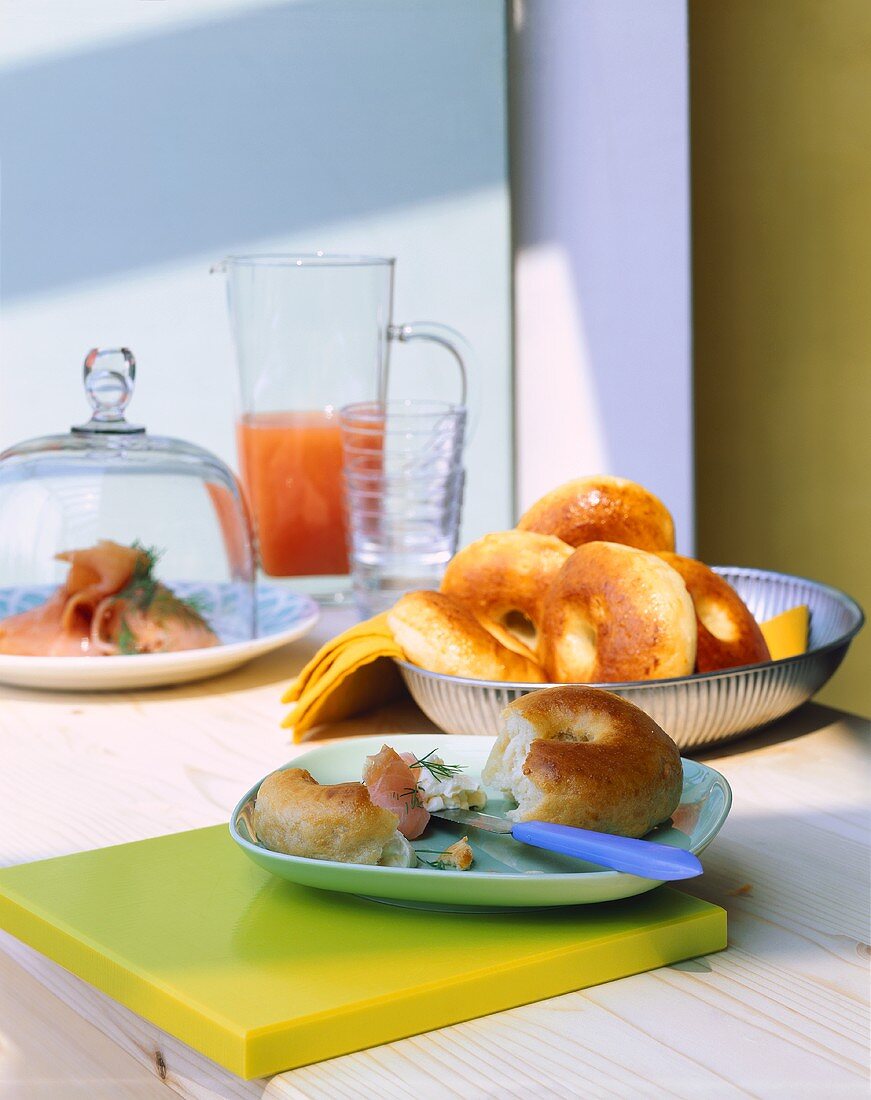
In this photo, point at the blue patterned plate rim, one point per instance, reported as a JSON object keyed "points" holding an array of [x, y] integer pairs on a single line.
{"points": [[279, 611]]}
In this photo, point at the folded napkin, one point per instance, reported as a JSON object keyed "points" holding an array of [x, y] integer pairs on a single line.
{"points": [[352, 673], [786, 634]]}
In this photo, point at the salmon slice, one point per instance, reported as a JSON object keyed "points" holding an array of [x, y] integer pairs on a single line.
{"points": [[39, 633], [110, 603], [61, 626], [168, 626], [392, 784], [95, 573]]}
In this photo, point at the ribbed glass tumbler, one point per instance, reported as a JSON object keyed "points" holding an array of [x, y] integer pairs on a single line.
{"points": [[403, 477]]}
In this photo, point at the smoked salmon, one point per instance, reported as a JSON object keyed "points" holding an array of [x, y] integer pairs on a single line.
{"points": [[393, 785], [110, 604]]}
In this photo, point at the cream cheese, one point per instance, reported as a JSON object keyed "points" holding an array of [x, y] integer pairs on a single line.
{"points": [[457, 792], [397, 852]]}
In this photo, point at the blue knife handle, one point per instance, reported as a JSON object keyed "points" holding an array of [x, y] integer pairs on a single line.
{"points": [[638, 857]]}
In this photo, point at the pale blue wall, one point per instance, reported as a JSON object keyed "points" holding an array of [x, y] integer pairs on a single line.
{"points": [[132, 160]]}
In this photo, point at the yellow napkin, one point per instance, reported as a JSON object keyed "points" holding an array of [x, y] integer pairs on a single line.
{"points": [[786, 634], [351, 674]]}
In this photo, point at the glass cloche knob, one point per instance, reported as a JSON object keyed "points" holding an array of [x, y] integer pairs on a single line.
{"points": [[109, 377]]}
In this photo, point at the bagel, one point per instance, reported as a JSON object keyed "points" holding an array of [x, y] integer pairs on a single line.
{"points": [[728, 634], [585, 757], [502, 579], [616, 613], [602, 509], [295, 814], [437, 633]]}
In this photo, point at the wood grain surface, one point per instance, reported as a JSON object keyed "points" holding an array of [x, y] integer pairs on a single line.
{"points": [[782, 1012]]}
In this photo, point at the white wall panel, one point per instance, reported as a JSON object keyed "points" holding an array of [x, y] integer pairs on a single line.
{"points": [[600, 172]]}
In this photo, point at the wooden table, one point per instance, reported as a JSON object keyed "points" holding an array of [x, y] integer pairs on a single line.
{"points": [[782, 1012]]}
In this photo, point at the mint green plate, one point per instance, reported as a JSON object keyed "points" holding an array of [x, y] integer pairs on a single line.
{"points": [[505, 873]]}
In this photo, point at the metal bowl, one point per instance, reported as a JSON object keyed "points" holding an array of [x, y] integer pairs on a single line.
{"points": [[695, 710]]}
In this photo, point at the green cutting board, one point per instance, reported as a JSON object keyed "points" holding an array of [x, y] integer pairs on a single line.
{"points": [[262, 975]]}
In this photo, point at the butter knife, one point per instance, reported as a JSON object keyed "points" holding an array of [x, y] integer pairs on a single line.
{"points": [[646, 858]]}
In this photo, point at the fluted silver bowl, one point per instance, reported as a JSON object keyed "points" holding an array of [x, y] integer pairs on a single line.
{"points": [[695, 710]]}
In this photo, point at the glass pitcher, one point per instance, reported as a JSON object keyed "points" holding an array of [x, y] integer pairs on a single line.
{"points": [[312, 333]]}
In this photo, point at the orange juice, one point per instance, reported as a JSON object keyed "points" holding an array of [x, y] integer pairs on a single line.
{"points": [[292, 469]]}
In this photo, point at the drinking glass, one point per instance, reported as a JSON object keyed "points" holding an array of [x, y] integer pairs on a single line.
{"points": [[404, 477], [312, 333]]}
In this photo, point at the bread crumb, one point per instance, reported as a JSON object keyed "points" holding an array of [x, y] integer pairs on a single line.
{"points": [[458, 857]]}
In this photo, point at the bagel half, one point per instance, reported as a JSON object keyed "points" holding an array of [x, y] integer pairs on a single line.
{"points": [[437, 633], [728, 635], [615, 613], [602, 509], [585, 757], [295, 814], [502, 579]]}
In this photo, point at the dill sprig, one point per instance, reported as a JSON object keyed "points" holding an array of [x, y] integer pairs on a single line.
{"points": [[165, 604], [436, 769], [142, 586], [146, 593], [436, 864], [126, 639], [411, 796]]}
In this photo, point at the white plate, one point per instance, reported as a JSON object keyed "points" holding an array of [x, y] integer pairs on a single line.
{"points": [[506, 873], [282, 617]]}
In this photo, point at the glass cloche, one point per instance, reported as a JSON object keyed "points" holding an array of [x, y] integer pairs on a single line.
{"points": [[114, 541]]}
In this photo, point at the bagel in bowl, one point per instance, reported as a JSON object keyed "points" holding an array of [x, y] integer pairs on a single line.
{"points": [[502, 579], [728, 635], [295, 814], [615, 613], [602, 508], [582, 756], [439, 634]]}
